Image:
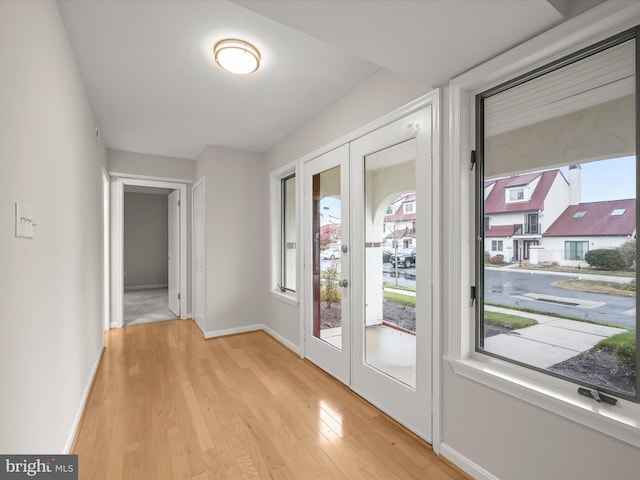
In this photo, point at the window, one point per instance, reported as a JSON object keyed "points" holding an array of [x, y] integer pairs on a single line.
{"points": [[288, 270], [514, 117], [487, 223], [516, 194], [284, 233], [575, 250], [389, 210], [409, 207]]}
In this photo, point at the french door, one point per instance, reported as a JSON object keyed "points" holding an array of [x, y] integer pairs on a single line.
{"points": [[368, 257]]}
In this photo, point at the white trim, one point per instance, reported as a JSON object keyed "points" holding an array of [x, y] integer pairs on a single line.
{"points": [[287, 297], [106, 249], [390, 117], [194, 268], [145, 287], [188, 181], [276, 336], [543, 391], [233, 331], [472, 468], [117, 260], [83, 402]]}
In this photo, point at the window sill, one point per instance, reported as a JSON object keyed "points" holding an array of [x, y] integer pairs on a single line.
{"points": [[290, 298], [621, 421]]}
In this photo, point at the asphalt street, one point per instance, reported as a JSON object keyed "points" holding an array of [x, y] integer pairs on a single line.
{"points": [[509, 287]]}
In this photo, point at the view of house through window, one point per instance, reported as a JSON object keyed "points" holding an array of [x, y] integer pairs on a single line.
{"points": [[557, 213]]}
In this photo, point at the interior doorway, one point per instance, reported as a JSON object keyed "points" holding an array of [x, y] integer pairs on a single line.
{"points": [[148, 271]]}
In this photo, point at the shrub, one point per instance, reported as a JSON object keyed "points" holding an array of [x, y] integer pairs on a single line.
{"points": [[628, 252], [497, 259], [330, 291], [605, 259], [630, 287], [487, 257]]}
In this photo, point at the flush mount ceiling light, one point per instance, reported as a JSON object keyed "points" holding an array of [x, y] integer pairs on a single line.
{"points": [[237, 56]]}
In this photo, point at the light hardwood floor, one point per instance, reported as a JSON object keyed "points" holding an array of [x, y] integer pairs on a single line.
{"points": [[168, 404]]}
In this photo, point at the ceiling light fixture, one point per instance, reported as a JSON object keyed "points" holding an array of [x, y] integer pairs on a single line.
{"points": [[237, 56]]}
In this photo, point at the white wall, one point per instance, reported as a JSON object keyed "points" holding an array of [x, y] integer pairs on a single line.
{"points": [[237, 243], [375, 97], [50, 287], [146, 226]]}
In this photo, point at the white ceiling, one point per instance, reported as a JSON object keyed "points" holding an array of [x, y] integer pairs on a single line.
{"points": [[154, 87]]}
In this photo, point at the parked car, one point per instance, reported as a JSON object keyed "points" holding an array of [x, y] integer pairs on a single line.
{"points": [[386, 255], [330, 254], [406, 258]]}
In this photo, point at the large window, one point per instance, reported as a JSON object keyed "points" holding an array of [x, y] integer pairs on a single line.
{"points": [[561, 141], [575, 250]]}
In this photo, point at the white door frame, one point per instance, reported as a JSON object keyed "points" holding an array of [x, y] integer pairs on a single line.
{"points": [[194, 268], [431, 98], [117, 259], [106, 250]]}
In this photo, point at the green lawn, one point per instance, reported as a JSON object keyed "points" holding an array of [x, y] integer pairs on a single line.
{"points": [[623, 346], [508, 321], [400, 298]]}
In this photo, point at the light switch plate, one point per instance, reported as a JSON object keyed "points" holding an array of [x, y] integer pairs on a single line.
{"points": [[25, 221]]}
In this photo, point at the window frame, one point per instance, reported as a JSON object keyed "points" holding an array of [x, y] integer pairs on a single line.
{"points": [[277, 225], [510, 83], [540, 390], [576, 242]]}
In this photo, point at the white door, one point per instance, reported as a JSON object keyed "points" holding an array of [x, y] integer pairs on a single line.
{"points": [[326, 207], [174, 252], [368, 224], [392, 300], [199, 260]]}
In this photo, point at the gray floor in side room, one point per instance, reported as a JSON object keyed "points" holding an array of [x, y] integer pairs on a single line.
{"points": [[146, 306]]}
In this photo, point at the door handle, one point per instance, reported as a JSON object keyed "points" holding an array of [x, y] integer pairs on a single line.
{"points": [[344, 283]]}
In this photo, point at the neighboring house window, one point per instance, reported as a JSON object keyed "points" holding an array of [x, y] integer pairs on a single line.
{"points": [[618, 212], [516, 194], [289, 228], [284, 232], [487, 223], [515, 116], [575, 250], [409, 207], [389, 210]]}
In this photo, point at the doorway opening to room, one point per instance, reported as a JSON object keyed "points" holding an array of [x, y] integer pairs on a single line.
{"points": [[149, 252]]}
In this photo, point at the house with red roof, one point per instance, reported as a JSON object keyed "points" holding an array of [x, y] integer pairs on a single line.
{"points": [[588, 226], [400, 221], [519, 209], [539, 218]]}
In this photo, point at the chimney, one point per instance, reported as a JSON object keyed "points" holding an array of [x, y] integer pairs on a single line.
{"points": [[575, 184]]}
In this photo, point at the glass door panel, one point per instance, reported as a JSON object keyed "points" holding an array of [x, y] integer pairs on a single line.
{"points": [[390, 261], [326, 230], [327, 258]]}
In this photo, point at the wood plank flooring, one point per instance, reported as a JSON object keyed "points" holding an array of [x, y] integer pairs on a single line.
{"points": [[167, 404]]}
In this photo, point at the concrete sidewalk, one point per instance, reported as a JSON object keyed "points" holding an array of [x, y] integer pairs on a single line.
{"points": [[552, 341]]}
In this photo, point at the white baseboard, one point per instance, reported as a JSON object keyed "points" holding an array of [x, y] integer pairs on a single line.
{"points": [[83, 401], [233, 331], [473, 469], [146, 287], [290, 345], [187, 316]]}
